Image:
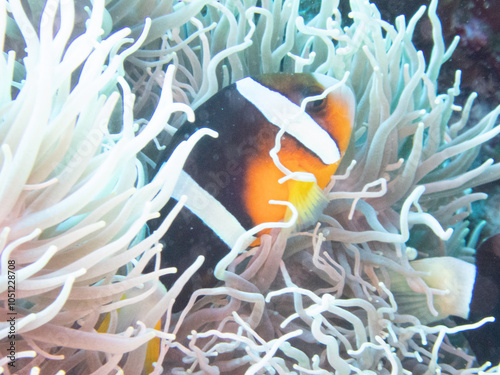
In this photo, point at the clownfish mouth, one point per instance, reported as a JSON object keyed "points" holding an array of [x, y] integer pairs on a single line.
{"points": [[280, 137]]}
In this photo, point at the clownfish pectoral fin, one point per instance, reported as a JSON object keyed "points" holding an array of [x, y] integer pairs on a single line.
{"points": [[209, 210], [309, 200]]}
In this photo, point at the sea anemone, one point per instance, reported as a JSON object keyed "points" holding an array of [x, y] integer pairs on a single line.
{"points": [[76, 198], [77, 192]]}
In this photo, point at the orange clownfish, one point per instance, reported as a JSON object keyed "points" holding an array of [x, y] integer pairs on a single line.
{"points": [[229, 180]]}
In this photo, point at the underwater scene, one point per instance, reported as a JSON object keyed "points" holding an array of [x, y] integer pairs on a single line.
{"points": [[249, 187]]}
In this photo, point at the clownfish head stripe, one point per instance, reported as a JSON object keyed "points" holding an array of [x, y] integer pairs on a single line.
{"points": [[282, 112]]}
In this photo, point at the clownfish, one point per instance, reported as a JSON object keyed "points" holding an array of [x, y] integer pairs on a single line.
{"points": [[229, 180], [485, 302]]}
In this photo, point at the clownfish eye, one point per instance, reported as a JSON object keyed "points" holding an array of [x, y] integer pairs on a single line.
{"points": [[316, 105]]}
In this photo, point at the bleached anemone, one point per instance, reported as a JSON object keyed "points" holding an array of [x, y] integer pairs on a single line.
{"points": [[76, 197]]}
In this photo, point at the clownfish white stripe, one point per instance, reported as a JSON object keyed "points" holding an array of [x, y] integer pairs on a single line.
{"points": [[280, 111], [208, 209]]}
